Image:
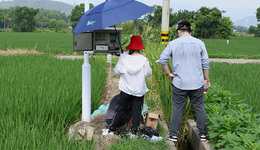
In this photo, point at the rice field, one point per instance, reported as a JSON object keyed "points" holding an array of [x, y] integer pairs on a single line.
{"points": [[55, 43], [238, 47], [242, 79], [61, 43], [41, 97]]}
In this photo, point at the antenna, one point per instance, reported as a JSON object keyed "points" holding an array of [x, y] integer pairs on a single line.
{"points": [[246, 23]]}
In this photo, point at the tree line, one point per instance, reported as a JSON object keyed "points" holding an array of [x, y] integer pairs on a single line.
{"points": [[253, 29], [206, 22], [25, 19]]}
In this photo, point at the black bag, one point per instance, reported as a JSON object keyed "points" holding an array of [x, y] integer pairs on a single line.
{"points": [[147, 130]]}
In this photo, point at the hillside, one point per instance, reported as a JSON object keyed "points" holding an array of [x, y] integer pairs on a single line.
{"points": [[45, 4], [247, 21]]}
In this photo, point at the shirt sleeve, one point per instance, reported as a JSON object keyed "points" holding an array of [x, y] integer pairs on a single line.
{"points": [[119, 68], [204, 58], [165, 56], [147, 69]]}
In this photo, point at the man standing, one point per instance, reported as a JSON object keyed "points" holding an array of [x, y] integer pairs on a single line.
{"points": [[190, 71]]}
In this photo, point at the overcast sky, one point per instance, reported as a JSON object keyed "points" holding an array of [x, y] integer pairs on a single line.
{"points": [[235, 9]]}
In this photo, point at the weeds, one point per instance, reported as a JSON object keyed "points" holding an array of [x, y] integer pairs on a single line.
{"points": [[231, 124]]}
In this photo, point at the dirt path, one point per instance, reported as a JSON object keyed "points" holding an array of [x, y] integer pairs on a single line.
{"points": [[231, 61], [60, 56], [235, 61]]}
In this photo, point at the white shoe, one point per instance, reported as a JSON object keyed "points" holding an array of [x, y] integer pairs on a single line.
{"points": [[156, 138], [104, 129], [171, 138], [107, 132], [132, 136]]}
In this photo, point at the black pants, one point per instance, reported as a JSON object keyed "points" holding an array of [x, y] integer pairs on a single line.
{"points": [[124, 119], [124, 101], [179, 99]]}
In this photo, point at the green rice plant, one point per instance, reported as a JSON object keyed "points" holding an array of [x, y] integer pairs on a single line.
{"points": [[41, 97], [61, 43], [55, 43], [238, 47], [50, 43], [239, 78]]}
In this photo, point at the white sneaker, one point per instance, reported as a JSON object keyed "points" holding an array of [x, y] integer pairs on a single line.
{"points": [[171, 138], [104, 129], [203, 137], [107, 132], [156, 138], [132, 136]]}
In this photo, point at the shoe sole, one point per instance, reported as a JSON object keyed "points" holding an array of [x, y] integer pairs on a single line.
{"points": [[173, 140]]}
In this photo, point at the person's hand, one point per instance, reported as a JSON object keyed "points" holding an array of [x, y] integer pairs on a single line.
{"points": [[206, 85], [171, 76]]}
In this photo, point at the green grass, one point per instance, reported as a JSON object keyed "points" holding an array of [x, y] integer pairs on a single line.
{"points": [[239, 78], [138, 144], [41, 97], [239, 47]]}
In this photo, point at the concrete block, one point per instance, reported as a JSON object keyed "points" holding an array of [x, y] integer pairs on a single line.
{"points": [[191, 124], [194, 139]]}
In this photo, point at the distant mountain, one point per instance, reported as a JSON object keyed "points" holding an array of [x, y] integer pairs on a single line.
{"points": [[247, 22], [45, 4]]}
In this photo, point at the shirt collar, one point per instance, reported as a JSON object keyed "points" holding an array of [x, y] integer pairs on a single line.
{"points": [[185, 35]]}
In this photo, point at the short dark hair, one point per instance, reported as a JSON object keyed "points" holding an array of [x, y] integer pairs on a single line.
{"points": [[183, 26], [185, 29], [131, 51]]}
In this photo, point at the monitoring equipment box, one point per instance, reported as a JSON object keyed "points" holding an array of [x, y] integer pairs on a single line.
{"points": [[104, 41]]}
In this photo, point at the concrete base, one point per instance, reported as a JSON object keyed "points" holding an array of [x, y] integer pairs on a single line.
{"points": [[80, 131], [193, 137]]}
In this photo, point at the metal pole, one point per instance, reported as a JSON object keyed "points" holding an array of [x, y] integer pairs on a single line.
{"points": [[165, 22], [86, 83], [118, 40]]}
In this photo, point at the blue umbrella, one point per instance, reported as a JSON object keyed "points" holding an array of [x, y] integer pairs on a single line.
{"points": [[110, 13]]}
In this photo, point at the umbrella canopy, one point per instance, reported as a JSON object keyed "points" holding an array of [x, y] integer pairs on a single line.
{"points": [[110, 13]]}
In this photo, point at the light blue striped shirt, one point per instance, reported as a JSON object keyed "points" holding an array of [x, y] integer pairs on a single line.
{"points": [[189, 58]]}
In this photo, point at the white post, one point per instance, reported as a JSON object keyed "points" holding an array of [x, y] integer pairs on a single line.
{"points": [[165, 21], [86, 5], [86, 89], [86, 83]]}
